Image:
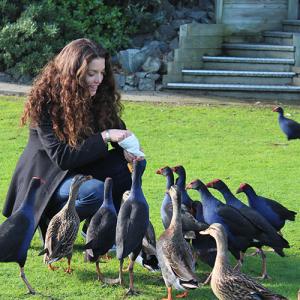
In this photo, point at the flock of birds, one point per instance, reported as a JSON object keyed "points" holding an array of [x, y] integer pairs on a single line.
{"points": [[205, 229]]}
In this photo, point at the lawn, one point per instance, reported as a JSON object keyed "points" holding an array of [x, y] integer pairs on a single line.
{"points": [[236, 143]]}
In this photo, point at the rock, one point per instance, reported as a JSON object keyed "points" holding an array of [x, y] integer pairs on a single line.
{"points": [[120, 80], [165, 32], [129, 61], [174, 44], [146, 84], [131, 80], [129, 88], [153, 76], [152, 64], [4, 77]]}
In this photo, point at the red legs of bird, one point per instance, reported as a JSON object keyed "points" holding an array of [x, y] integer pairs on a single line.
{"points": [[52, 268], [69, 270], [169, 297], [183, 295], [131, 290], [22, 275], [239, 264]]}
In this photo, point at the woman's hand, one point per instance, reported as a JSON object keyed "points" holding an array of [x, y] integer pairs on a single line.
{"points": [[130, 157], [115, 135]]}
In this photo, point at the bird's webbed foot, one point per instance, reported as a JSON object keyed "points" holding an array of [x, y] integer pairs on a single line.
{"points": [[132, 292]]}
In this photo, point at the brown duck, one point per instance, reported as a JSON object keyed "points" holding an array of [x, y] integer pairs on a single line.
{"points": [[174, 253], [228, 284], [63, 228]]}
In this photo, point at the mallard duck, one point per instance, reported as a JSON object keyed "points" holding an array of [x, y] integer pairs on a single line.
{"points": [[101, 232], [132, 223], [228, 284], [174, 253], [16, 232], [63, 228]]}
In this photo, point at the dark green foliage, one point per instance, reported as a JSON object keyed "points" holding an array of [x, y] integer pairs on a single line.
{"points": [[30, 34]]}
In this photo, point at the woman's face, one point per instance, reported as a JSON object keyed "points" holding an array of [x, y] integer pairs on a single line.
{"points": [[94, 75]]}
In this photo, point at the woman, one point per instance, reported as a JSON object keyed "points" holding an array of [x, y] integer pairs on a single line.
{"points": [[73, 111]]}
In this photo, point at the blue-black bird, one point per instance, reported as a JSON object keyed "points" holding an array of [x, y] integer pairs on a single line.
{"points": [[289, 127], [101, 232], [132, 223], [17, 231], [268, 235], [273, 211], [241, 233], [186, 200], [189, 223]]}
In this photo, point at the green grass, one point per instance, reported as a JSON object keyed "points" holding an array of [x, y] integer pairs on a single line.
{"points": [[235, 143]]}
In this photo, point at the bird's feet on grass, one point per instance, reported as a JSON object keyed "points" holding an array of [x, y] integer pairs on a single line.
{"points": [[52, 268], [264, 277], [183, 295], [68, 270], [132, 292]]}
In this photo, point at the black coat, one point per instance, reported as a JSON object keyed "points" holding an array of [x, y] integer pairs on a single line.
{"points": [[46, 157]]}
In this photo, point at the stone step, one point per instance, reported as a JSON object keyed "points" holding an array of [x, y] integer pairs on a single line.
{"points": [[291, 25], [247, 63], [237, 73], [237, 77], [278, 37], [259, 50], [235, 87], [286, 93]]}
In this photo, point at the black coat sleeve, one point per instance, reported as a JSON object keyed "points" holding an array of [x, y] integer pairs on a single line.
{"points": [[66, 157]]}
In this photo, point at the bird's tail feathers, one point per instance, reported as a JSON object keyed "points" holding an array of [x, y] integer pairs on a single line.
{"points": [[192, 284]]}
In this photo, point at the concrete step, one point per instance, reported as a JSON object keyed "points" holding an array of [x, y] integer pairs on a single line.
{"points": [[291, 25], [247, 63], [286, 93], [237, 77], [259, 50], [278, 37]]}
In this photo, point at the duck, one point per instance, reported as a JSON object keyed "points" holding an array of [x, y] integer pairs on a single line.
{"points": [[132, 224], [268, 236], [174, 253], [288, 126], [189, 222], [227, 283], [241, 233], [273, 211], [17, 231], [101, 232], [63, 228]]}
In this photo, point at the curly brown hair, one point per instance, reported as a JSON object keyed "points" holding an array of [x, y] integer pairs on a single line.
{"points": [[61, 92]]}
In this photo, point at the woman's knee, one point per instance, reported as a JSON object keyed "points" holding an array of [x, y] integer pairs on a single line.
{"points": [[91, 190]]}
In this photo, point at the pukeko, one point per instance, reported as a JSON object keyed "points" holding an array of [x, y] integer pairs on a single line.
{"points": [[241, 233], [268, 235], [186, 200], [203, 245], [228, 284], [16, 231], [174, 253], [132, 223], [148, 256], [101, 232], [63, 228], [189, 223], [273, 211], [289, 127]]}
